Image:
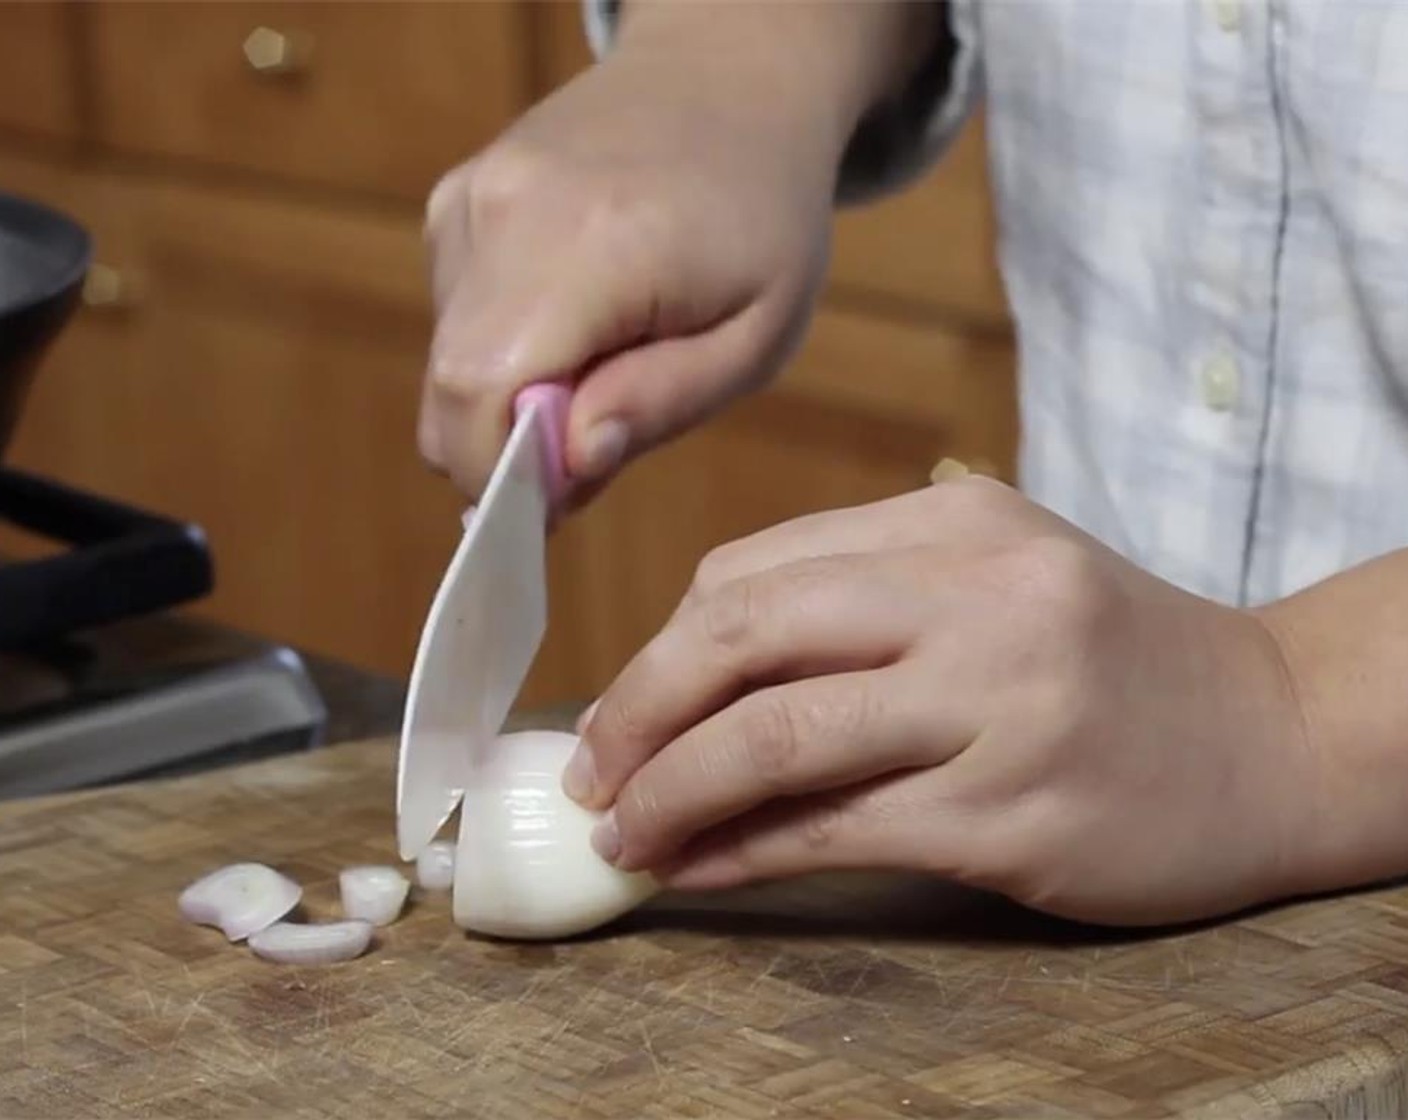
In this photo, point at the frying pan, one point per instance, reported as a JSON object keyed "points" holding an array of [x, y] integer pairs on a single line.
{"points": [[44, 256]]}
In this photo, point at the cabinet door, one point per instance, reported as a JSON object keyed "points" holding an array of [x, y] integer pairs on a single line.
{"points": [[254, 366], [38, 69], [374, 96]]}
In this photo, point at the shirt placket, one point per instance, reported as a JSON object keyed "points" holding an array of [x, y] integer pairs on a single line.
{"points": [[1236, 232]]}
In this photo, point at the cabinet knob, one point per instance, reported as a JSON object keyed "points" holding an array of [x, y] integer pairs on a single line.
{"points": [[269, 51], [107, 287]]}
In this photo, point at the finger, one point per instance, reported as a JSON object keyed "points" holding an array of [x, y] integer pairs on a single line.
{"points": [[970, 514], [447, 247], [491, 341], [829, 615], [655, 391], [812, 735], [880, 825]]}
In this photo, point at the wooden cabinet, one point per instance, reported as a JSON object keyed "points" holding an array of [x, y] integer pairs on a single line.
{"points": [[367, 96], [252, 364], [250, 353], [39, 84]]}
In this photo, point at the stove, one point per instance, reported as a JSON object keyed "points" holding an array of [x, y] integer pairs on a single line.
{"points": [[102, 679]]}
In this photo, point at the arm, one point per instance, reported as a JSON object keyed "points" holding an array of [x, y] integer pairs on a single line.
{"points": [[1345, 643], [702, 160]]}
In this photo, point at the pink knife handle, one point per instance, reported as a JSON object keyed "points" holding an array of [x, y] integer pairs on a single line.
{"points": [[554, 401]]}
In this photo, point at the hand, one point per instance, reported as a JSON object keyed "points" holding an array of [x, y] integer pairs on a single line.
{"points": [[655, 230], [957, 682]]}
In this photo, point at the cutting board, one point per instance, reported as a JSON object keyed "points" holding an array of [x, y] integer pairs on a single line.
{"points": [[856, 997]]}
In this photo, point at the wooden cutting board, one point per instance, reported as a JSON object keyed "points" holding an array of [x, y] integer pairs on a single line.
{"points": [[846, 998]]}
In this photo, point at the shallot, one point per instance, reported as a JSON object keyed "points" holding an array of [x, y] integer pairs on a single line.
{"points": [[240, 899], [435, 866], [373, 894], [525, 867], [314, 944]]}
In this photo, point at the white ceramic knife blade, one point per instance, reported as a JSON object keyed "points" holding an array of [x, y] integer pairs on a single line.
{"points": [[482, 633]]}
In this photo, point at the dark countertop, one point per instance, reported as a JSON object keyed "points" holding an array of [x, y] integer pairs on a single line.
{"points": [[361, 704], [131, 657]]}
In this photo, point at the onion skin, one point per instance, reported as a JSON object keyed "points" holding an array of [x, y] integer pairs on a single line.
{"points": [[435, 866], [373, 894], [240, 899], [314, 944], [524, 866]]}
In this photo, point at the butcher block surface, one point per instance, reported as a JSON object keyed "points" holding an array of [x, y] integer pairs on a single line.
{"points": [[851, 998]]}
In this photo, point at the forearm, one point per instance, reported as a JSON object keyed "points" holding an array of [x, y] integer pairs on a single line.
{"points": [[822, 66], [1345, 643]]}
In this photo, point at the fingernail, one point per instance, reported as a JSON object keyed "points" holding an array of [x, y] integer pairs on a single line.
{"points": [[579, 777], [606, 840], [605, 446], [585, 718]]}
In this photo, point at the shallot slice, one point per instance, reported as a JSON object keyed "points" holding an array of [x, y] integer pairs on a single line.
{"points": [[313, 944], [435, 866], [240, 899], [373, 894]]}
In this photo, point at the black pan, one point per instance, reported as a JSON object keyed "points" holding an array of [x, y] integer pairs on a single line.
{"points": [[44, 256]]}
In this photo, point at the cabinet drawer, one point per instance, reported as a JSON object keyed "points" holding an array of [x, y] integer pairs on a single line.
{"points": [[381, 97], [38, 69]]}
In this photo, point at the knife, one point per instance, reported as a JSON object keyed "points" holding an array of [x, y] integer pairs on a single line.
{"points": [[485, 623]]}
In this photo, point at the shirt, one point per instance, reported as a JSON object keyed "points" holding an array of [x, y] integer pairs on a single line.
{"points": [[1203, 236]]}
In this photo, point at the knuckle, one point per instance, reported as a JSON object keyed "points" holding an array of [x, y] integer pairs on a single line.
{"points": [[443, 199], [428, 443], [714, 570], [823, 823], [1061, 584], [640, 817], [619, 721], [729, 615], [770, 740], [969, 496], [501, 178]]}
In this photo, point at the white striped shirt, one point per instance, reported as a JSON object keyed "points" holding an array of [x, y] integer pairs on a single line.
{"points": [[1203, 216]]}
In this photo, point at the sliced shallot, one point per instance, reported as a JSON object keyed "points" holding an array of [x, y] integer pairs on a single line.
{"points": [[373, 894], [240, 899], [313, 944], [435, 866]]}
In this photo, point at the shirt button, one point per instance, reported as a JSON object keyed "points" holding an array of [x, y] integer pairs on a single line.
{"points": [[1227, 13], [1218, 379]]}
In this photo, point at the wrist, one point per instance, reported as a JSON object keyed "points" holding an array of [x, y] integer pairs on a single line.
{"points": [[813, 67], [1356, 827]]}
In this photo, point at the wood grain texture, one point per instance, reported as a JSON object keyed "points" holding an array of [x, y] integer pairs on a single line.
{"points": [[392, 94], [39, 86], [847, 998]]}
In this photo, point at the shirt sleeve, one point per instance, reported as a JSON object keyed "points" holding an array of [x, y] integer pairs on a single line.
{"points": [[900, 139]]}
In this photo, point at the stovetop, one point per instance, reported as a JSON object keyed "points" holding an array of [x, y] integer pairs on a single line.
{"points": [[102, 681], [172, 693]]}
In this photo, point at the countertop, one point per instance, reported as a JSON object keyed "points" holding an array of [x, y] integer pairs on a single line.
{"points": [[833, 998]]}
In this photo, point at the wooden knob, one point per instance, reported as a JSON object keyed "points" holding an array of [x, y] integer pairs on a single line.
{"points": [[107, 287], [269, 51]]}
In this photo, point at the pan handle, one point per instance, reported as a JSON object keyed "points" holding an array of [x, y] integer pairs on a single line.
{"points": [[124, 562]]}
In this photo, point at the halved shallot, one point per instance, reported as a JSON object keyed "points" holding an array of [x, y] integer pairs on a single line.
{"points": [[240, 899], [435, 866], [315, 943], [373, 894]]}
